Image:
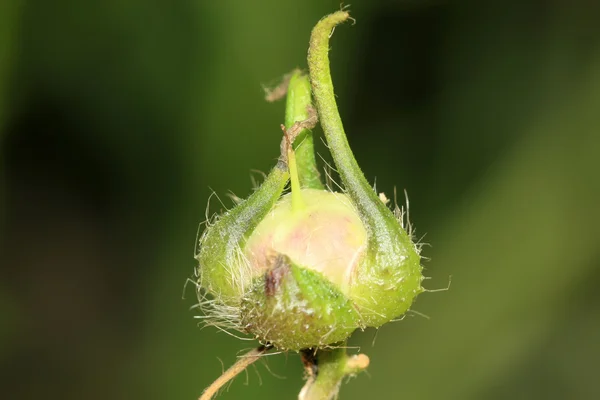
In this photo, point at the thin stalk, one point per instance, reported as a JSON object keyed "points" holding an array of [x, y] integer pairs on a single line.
{"points": [[244, 362]]}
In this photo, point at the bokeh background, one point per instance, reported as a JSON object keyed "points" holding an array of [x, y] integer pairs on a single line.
{"points": [[118, 119]]}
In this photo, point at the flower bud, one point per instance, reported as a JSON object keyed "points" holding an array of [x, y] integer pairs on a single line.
{"points": [[305, 269]]}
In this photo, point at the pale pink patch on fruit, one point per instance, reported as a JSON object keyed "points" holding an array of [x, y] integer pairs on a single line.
{"points": [[325, 235]]}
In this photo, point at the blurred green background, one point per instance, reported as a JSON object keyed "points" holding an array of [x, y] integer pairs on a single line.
{"points": [[117, 118]]}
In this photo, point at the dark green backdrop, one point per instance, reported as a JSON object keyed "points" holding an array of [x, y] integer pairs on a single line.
{"points": [[118, 117]]}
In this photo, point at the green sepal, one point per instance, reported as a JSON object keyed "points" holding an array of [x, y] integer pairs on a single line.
{"points": [[222, 269], [390, 276], [387, 285], [299, 99], [295, 308]]}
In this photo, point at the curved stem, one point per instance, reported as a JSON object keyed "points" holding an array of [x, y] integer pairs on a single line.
{"points": [[244, 362]]}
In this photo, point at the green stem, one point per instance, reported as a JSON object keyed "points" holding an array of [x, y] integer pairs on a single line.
{"points": [[326, 371], [298, 100]]}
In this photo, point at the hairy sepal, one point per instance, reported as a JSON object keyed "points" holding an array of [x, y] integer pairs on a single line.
{"points": [[223, 270], [293, 308], [390, 277]]}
